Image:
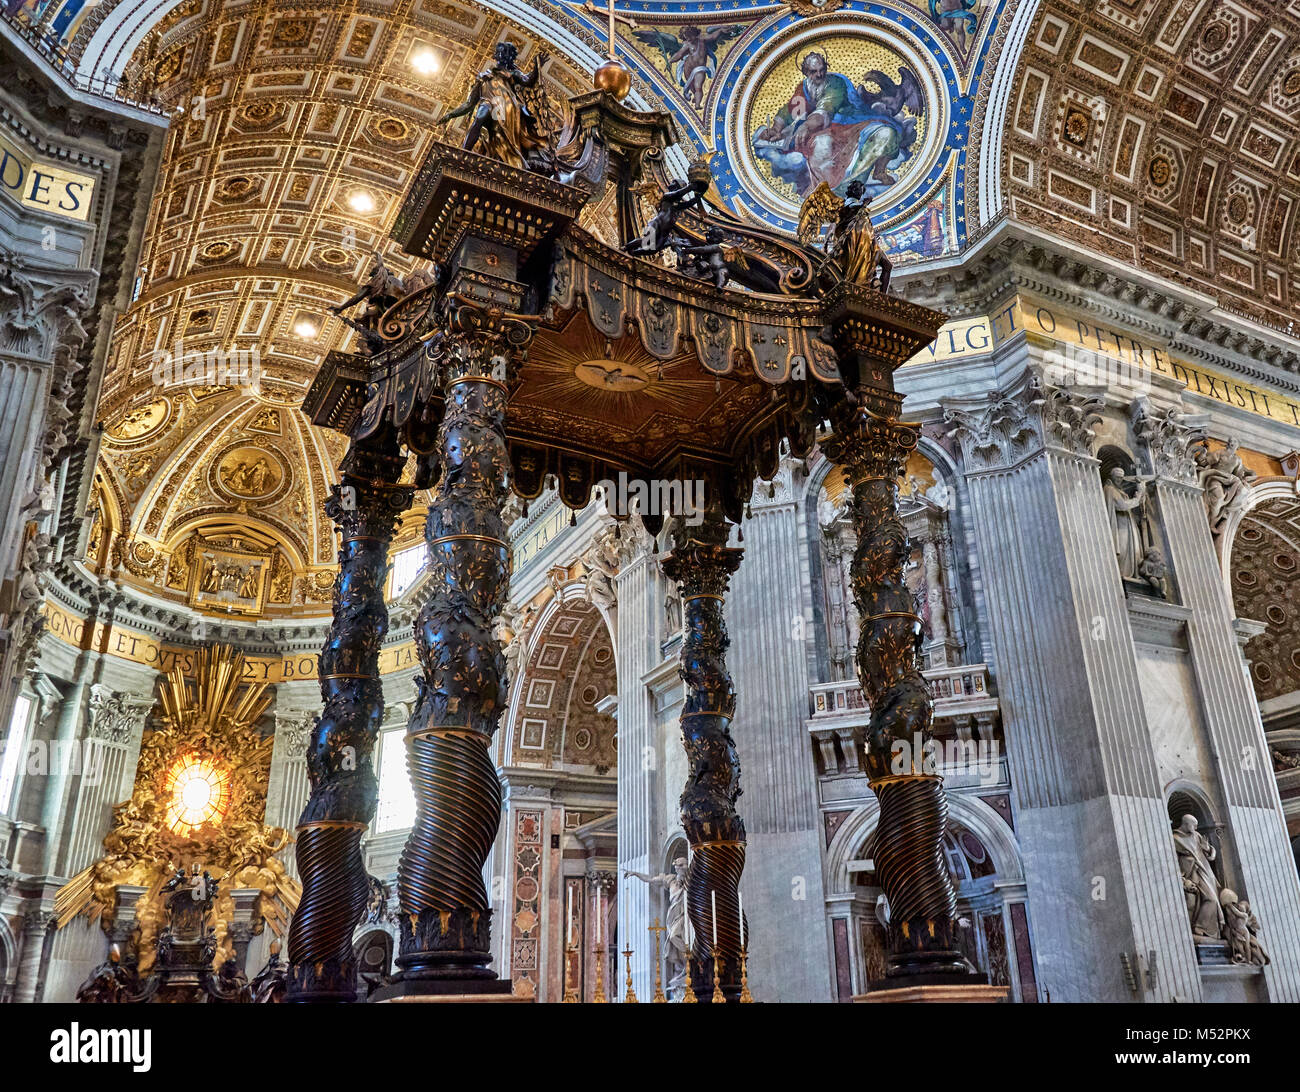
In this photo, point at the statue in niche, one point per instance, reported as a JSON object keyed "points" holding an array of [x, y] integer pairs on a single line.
{"points": [[1243, 930], [672, 609], [1200, 885], [675, 884], [504, 123], [1130, 523], [1225, 479]]}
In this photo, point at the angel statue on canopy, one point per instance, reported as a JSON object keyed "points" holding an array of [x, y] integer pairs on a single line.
{"points": [[851, 241], [505, 111]]}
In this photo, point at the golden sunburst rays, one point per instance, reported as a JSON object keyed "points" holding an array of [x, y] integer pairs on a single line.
{"points": [[577, 370], [220, 692]]}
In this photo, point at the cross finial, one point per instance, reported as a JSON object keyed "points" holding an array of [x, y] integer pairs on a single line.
{"points": [[614, 17]]}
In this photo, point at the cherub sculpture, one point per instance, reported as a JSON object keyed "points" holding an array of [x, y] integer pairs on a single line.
{"points": [[660, 231], [707, 260]]}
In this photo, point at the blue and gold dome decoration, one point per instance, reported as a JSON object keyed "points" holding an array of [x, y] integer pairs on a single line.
{"points": [[787, 96]]}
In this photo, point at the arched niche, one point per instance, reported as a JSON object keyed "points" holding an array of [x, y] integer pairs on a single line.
{"points": [[935, 571], [984, 860]]}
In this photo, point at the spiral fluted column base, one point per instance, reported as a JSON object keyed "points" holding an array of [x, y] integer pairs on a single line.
{"points": [[445, 932], [716, 868], [334, 892], [907, 849]]}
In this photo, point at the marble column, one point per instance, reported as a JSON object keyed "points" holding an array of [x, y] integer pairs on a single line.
{"points": [[1090, 810], [36, 928], [783, 875], [1254, 821], [640, 632]]}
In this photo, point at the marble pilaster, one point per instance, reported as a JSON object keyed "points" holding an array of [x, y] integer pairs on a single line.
{"points": [[1089, 806]]}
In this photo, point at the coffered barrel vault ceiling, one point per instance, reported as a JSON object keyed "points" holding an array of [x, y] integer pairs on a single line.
{"points": [[298, 128], [1163, 132]]}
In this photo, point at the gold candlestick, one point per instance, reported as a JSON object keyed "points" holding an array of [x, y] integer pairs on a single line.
{"points": [[746, 998], [689, 998], [718, 998], [598, 997], [629, 998], [660, 997], [570, 990]]}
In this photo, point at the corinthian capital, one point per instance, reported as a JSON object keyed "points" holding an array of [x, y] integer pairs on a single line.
{"points": [[1004, 428], [1175, 440]]}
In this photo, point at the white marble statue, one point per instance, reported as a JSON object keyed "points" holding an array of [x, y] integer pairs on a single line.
{"points": [[1200, 886], [675, 884], [1127, 521], [1242, 928], [1225, 479], [601, 560]]}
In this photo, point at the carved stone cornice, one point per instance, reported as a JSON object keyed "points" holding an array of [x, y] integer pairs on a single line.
{"points": [[1012, 257]]}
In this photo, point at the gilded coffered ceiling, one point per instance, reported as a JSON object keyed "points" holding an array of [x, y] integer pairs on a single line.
{"points": [[297, 129], [1164, 133]]}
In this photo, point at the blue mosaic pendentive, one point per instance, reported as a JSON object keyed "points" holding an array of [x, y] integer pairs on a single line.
{"points": [[909, 21]]}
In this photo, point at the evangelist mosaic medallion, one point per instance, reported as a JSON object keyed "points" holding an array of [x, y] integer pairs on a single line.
{"points": [[249, 473], [837, 109], [139, 424]]}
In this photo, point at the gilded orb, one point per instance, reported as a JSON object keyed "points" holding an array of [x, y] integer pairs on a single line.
{"points": [[613, 77]]}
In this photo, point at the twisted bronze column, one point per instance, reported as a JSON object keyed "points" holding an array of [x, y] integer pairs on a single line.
{"points": [[907, 846], [446, 913], [701, 563], [365, 507]]}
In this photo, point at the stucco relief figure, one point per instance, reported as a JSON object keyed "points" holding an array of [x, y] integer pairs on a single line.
{"points": [[247, 479], [1200, 885], [1243, 930], [675, 885], [503, 123], [601, 561], [1225, 479], [1128, 523]]}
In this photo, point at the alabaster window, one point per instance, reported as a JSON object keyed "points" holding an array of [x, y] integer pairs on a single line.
{"points": [[396, 809], [406, 569]]}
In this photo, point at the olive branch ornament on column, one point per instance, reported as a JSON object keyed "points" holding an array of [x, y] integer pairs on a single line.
{"points": [[701, 564], [365, 506]]}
